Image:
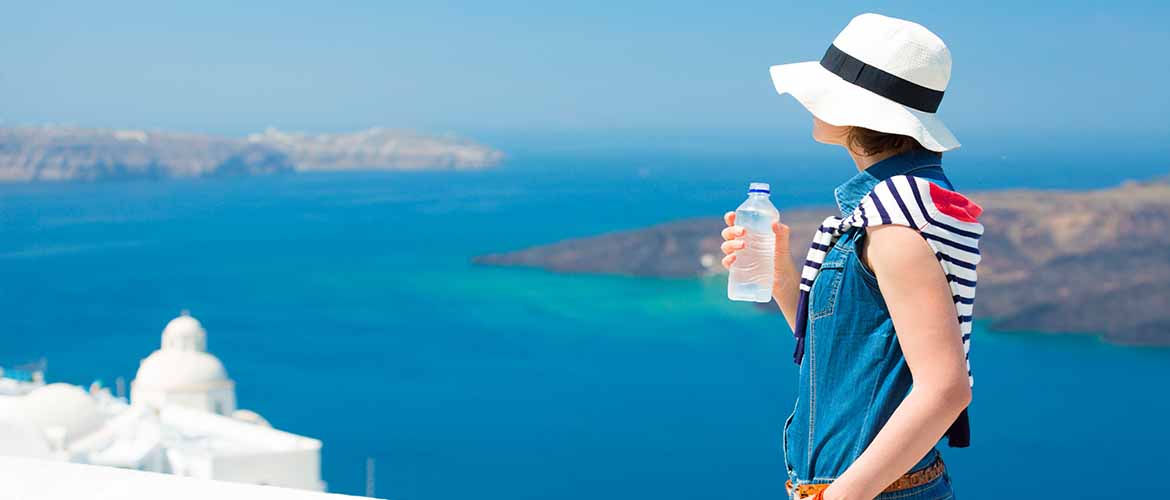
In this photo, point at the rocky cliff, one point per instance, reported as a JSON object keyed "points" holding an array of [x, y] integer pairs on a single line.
{"points": [[1095, 262], [378, 148], [70, 153]]}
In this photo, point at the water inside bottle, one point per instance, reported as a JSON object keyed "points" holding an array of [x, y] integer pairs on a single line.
{"points": [[751, 275]]}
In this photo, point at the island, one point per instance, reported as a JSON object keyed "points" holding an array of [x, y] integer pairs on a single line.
{"points": [[56, 153], [1094, 262]]}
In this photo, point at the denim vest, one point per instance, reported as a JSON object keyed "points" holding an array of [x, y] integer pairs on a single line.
{"points": [[854, 374]]}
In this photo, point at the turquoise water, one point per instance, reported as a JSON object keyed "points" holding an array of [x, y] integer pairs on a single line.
{"points": [[346, 308]]}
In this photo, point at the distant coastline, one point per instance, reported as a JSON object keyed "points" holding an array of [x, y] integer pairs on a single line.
{"points": [[1095, 262], [52, 153]]}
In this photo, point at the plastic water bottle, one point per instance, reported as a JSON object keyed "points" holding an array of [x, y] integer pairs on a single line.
{"points": [[751, 274]]}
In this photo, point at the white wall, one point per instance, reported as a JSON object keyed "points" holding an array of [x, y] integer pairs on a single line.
{"points": [[29, 479], [290, 469], [220, 400]]}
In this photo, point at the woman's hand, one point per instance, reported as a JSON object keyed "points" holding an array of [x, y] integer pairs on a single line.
{"points": [[785, 277], [733, 242]]}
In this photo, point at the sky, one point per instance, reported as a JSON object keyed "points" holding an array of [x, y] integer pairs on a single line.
{"points": [[1047, 74]]}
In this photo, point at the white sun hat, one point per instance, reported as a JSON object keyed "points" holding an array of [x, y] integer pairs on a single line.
{"points": [[881, 73]]}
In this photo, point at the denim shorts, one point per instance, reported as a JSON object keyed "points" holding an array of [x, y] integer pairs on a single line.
{"points": [[937, 489]]}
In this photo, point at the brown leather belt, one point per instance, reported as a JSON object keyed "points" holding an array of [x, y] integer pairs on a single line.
{"points": [[910, 480]]}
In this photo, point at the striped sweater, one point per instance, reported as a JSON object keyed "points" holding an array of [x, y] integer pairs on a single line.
{"points": [[946, 219]]}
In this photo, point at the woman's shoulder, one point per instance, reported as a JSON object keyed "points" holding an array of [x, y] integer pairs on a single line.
{"points": [[918, 202]]}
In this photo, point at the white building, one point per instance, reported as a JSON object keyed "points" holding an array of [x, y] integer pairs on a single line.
{"points": [[181, 419]]}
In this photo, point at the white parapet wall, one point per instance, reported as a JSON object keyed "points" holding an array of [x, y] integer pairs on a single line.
{"points": [[30, 479]]}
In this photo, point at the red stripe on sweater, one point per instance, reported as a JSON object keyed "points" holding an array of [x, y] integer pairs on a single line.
{"points": [[954, 204]]}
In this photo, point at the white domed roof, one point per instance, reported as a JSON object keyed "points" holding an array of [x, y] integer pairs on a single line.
{"points": [[175, 369], [184, 333], [62, 405]]}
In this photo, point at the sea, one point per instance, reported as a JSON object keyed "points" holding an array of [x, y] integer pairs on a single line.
{"points": [[347, 308]]}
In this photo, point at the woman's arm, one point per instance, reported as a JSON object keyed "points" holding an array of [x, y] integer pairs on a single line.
{"points": [[785, 280], [916, 291]]}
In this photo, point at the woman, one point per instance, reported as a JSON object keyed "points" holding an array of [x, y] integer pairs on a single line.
{"points": [[882, 308]]}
